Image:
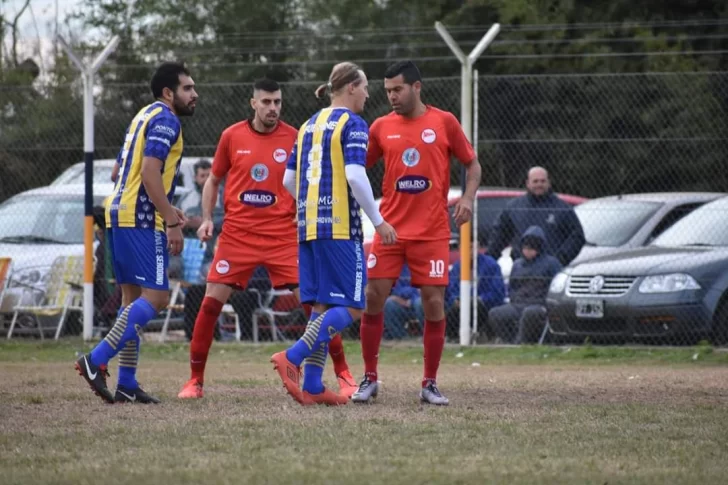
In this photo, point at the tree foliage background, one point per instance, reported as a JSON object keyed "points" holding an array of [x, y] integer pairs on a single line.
{"points": [[567, 84]]}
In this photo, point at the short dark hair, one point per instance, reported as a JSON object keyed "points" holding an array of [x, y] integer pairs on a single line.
{"points": [[202, 165], [267, 85], [167, 76], [407, 69]]}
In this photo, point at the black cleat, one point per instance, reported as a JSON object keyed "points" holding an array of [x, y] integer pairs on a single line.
{"points": [[135, 396], [95, 376]]}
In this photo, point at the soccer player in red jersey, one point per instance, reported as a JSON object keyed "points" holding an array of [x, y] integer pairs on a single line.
{"points": [[259, 228], [416, 142]]}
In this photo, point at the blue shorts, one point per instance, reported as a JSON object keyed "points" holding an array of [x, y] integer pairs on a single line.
{"points": [[331, 272], [139, 257]]}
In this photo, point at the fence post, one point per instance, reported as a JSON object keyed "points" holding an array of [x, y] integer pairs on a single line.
{"points": [[466, 120], [87, 75]]}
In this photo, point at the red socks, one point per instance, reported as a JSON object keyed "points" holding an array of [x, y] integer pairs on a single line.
{"points": [[434, 342], [370, 332], [202, 336]]}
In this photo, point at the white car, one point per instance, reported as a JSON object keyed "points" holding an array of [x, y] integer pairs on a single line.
{"points": [[102, 174], [36, 227]]}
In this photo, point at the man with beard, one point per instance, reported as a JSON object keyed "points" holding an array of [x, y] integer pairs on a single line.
{"points": [[259, 228], [143, 229], [416, 141]]}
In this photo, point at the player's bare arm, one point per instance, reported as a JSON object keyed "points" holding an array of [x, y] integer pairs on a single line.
{"points": [[209, 200], [152, 180], [464, 209]]}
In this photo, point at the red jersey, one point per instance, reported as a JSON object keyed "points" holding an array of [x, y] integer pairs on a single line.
{"points": [[416, 156], [255, 199]]}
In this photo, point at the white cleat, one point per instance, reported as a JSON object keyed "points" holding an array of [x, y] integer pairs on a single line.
{"points": [[367, 391], [431, 395]]}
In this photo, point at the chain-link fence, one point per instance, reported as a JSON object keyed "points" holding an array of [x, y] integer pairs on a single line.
{"points": [[597, 135]]}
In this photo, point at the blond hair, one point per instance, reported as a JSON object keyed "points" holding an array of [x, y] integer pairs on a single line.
{"points": [[343, 74]]}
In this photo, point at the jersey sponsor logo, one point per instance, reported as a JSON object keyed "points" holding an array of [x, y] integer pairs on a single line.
{"points": [[280, 155], [371, 261], [244, 152], [167, 130], [359, 135], [413, 184], [259, 172], [393, 137], [258, 198], [363, 146], [164, 141], [428, 135], [222, 267], [411, 157], [330, 125], [325, 201]]}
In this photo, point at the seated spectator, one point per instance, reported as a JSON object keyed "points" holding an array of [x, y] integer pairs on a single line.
{"points": [[523, 319], [403, 306], [491, 291]]}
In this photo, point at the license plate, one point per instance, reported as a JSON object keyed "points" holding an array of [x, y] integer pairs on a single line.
{"points": [[590, 308]]}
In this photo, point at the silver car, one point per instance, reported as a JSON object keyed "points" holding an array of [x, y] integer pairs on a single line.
{"points": [[619, 222]]}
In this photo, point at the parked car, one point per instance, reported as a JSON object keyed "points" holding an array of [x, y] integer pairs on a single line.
{"points": [[676, 287], [102, 174], [36, 227], [634, 220]]}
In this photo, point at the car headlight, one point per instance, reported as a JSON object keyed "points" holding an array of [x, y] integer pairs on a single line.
{"points": [[668, 283], [558, 284]]}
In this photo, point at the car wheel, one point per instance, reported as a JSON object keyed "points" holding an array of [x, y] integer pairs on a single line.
{"points": [[720, 324]]}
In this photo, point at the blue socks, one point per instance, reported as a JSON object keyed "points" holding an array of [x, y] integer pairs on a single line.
{"points": [[313, 370], [319, 331], [124, 331]]}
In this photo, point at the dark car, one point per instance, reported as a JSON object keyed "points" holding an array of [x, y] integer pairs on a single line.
{"points": [[619, 222], [676, 288]]}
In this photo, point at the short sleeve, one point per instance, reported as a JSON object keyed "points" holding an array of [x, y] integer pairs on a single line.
{"points": [[293, 159], [221, 163], [459, 144], [355, 140], [374, 152], [162, 132]]}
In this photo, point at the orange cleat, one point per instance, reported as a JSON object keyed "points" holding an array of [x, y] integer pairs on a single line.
{"points": [[289, 374], [328, 397], [192, 390], [347, 384]]}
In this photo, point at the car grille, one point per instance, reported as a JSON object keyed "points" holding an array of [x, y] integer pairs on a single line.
{"points": [[613, 285]]}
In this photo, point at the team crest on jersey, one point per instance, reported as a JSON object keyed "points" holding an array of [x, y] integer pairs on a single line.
{"points": [[259, 172], [413, 184], [280, 155], [411, 157], [428, 135], [258, 198]]}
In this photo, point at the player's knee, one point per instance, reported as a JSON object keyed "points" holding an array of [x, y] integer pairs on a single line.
{"points": [[433, 304], [375, 300], [355, 313], [158, 299]]}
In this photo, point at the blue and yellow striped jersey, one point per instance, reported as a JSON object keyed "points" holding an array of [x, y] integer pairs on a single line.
{"points": [[326, 143], [154, 132]]}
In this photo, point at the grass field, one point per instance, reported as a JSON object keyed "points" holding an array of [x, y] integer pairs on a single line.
{"points": [[518, 416]]}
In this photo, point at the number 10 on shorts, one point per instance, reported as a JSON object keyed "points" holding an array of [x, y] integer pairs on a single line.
{"points": [[437, 268]]}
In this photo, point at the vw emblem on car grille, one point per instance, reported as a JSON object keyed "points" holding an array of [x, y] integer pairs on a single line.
{"points": [[596, 284]]}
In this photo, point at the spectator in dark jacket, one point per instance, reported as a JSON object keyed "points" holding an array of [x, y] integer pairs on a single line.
{"points": [[564, 236], [523, 318], [491, 291]]}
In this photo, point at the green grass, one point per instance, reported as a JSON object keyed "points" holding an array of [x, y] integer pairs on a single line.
{"points": [[18, 351], [588, 415]]}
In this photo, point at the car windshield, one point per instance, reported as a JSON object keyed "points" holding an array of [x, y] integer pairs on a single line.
{"points": [[705, 226], [102, 175], [613, 222], [38, 219]]}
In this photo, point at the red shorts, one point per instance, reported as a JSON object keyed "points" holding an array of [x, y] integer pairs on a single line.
{"points": [[239, 253], [427, 260]]}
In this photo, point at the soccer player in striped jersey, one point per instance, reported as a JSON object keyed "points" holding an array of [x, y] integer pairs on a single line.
{"points": [[326, 174], [259, 227], [143, 229]]}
